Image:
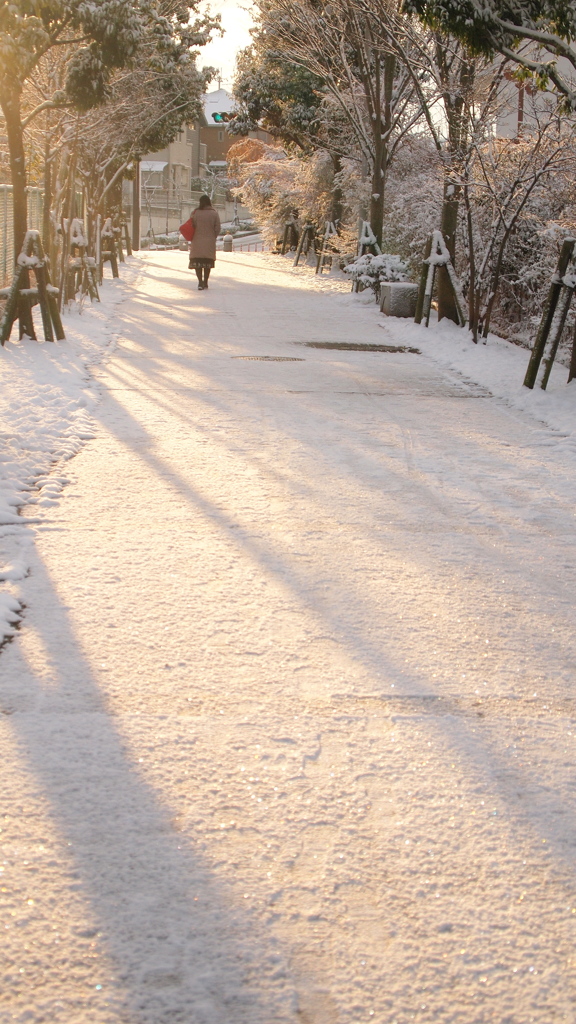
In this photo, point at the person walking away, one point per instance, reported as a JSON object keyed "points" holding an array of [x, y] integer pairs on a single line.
{"points": [[203, 245]]}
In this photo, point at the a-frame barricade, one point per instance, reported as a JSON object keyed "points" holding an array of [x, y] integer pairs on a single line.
{"points": [[326, 249], [127, 239], [20, 297], [366, 243], [291, 237], [367, 240], [436, 255], [553, 321], [307, 239], [81, 270], [108, 249]]}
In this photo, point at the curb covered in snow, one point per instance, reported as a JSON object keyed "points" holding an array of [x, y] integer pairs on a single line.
{"points": [[46, 402]]}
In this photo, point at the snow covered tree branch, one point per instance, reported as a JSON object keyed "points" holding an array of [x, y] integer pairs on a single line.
{"points": [[501, 26], [372, 92]]}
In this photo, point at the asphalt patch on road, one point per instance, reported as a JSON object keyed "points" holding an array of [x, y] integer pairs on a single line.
{"points": [[351, 347], [272, 359]]}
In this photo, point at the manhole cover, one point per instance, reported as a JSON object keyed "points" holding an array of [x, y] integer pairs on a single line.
{"points": [[272, 359], [351, 347]]}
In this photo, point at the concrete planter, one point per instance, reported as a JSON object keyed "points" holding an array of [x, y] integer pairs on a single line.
{"points": [[398, 298]]}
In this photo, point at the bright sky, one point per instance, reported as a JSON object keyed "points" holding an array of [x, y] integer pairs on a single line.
{"points": [[221, 53]]}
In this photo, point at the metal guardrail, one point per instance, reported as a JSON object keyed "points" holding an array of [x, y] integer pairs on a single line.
{"points": [[246, 243], [249, 246], [163, 213]]}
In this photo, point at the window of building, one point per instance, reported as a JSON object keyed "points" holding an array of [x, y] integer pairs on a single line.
{"points": [[220, 136]]}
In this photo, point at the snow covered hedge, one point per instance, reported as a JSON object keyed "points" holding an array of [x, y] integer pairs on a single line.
{"points": [[372, 271]]}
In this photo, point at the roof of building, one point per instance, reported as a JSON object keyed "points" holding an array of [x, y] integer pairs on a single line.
{"points": [[219, 101], [153, 165]]}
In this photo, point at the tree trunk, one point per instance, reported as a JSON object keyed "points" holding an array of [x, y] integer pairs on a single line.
{"points": [[472, 292], [448, 226], [456, 91], [337, 195], [10, 103], [381, 126], [47, 205], [377, 201]]}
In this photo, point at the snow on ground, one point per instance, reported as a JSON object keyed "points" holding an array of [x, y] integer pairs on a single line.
{"points": [[46, 402], [288, 725]]}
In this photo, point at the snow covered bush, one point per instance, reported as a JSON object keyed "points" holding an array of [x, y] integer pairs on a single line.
{"points": [[272, 185], [372, 271], [265, 176], [413, 201], [355, 189], [513, 189]]}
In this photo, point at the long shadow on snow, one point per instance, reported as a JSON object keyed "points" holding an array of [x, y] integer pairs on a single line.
{"points": [[350, 621], [182, 946]]}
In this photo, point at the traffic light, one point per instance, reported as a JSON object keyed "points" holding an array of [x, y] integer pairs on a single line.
{"points": [[222, 116]]}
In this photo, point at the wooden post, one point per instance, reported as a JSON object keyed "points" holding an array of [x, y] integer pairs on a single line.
{"points": [[44, 305], [99, 247], [329, 232], [55, 312], [548, 312], [114, 261], [127, 239], [423, 279], [11, 308], [554, 335], [572, 373], [286, 238], [431, 278], [306, 238], [20, 297]]}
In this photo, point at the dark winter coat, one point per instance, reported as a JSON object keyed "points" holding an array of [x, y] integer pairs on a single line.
{"points": [[206, 230]]}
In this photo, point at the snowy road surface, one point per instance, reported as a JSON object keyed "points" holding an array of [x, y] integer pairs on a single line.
{"points": [[289, 726]]}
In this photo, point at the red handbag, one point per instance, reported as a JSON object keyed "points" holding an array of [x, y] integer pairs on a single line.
{"points": [[187, 229]]}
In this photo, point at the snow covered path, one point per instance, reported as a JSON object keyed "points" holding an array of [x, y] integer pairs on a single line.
{"points": [[289, 726]]}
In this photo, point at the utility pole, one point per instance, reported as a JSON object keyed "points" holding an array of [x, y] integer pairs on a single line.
{"points": [[136, 206]]}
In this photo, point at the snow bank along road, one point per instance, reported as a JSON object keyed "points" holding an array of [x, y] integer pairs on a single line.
{"points": [[288, 730]]}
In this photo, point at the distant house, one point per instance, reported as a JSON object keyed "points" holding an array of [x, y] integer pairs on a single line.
{"points": [[219, 107], [522, 104], [169, 182], [178, 164]]}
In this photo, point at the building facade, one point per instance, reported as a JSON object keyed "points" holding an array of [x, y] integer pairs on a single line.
{"points": [[173, 179]]}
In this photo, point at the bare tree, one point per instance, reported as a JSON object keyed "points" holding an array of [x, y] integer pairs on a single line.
{"points": [[448, 80], [88, 43], [374, 93], [528, 32], [500, 178], [145, 106]]}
